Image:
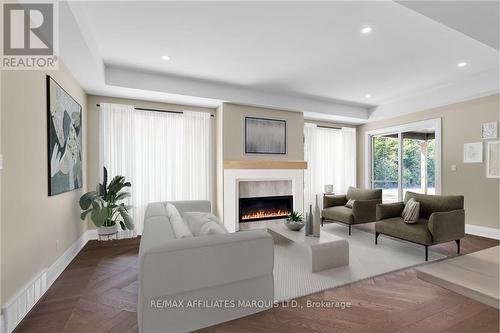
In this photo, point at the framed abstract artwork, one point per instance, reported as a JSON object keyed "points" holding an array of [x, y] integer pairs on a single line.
{"points": [[265, 136], [64, 140], [493, 159]]}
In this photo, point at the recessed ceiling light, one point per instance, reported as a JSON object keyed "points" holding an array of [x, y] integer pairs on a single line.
{"points": [[367, 96], [165, 57], [366, 30], [461, 64]]}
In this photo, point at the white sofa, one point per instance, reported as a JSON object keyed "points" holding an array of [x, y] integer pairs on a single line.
{"points": [[220, 270]]}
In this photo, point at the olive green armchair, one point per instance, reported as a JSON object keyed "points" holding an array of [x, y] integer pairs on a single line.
{"points": [[362, 211], [442, 219]]}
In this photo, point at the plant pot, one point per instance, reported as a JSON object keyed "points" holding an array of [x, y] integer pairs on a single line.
{"points": [[107, 231], [295, 226]]}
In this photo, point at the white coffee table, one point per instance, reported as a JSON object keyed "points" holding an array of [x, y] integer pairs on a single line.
{"points": [[327, 251]]}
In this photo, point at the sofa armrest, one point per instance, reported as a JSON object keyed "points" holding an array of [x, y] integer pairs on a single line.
{"points": [[447, 226], [365, 210], [187, 264], [387, 211], [192, 206], [334, 200]]}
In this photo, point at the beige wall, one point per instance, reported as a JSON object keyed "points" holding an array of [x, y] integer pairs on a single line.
{"points": [[461, 123], [32, 221], [233, 141]]}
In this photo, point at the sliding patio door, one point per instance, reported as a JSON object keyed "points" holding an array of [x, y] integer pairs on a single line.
{"points": [[419, 160], [405, 158], [385, 170]]}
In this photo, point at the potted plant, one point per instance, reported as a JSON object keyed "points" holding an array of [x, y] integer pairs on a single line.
{"points": [[105, 207], [295, 221]]}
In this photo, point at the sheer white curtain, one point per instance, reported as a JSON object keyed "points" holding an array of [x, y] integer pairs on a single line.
{"points": [[312, 182], [349, 149], [166, 156], [116, 137], [331, 157]]}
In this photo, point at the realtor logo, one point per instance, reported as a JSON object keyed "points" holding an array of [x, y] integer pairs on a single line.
{"points": [[28, 36]]}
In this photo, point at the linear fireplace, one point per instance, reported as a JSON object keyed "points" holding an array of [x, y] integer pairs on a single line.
{"points": [[265, 208], [259, 183]]}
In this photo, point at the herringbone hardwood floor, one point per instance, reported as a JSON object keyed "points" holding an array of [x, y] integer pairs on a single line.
{"points": [[98, 293]]}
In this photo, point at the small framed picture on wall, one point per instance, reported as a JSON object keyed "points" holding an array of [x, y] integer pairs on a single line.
{"points": [[473, 152], [489, 130]]}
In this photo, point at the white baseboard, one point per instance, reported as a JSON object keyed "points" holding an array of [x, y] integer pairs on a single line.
{"points": [[18, 307], [482, 231], [60, 265], [92, 234]]}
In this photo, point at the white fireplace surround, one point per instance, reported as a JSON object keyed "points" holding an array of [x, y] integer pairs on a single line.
{"points": [[233, 178], [266, 188]]}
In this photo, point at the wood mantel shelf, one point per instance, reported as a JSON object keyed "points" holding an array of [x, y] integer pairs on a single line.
{"points": [[264, 164]]}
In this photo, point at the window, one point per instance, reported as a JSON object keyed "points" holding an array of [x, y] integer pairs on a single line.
{"points": [[166, 156], [405, 158]]}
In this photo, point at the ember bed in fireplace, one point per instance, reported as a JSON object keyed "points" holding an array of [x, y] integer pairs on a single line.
{"points": [[265, 208]]}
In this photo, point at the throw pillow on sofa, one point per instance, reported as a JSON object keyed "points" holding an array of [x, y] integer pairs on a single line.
{"points": [[411, 211], [181, 230], [202, 224], [350, 203]]}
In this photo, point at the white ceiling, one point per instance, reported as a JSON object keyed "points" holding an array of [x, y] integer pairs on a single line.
{"points": [[463, 16], [304, 56]]}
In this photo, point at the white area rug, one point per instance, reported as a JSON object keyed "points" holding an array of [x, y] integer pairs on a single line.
{"points": [[292, 276]]}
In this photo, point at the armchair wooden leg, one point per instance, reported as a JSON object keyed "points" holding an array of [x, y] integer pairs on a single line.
{"points": [[376, 237], [458, 246], [426, 253], [349, 230], [322, 220]]}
